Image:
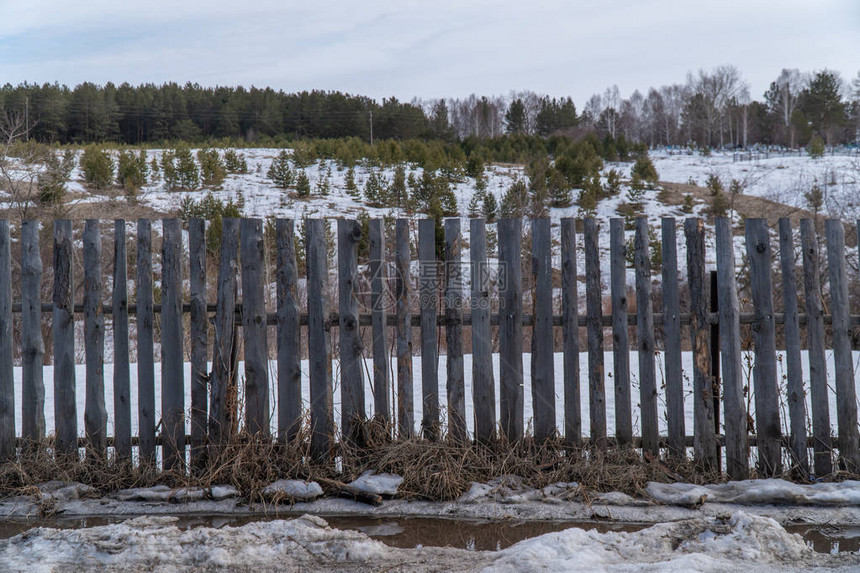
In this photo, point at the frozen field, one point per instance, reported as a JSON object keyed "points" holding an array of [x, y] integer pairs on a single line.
{"points": [[784, 179]]}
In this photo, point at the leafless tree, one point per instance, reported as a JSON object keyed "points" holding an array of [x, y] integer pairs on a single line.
{"points": [[19, 165]]}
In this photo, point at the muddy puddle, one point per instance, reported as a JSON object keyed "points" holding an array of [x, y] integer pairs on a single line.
{"points": [[473, 535]]}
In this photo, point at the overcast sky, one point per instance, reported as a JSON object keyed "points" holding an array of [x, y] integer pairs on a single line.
{"points": [[424, 48]]}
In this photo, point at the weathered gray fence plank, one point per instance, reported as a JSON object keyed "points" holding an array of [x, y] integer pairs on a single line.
{"points": [[222, 400], [199, 335], [672, 341], [456, 382], [145, 358], [351, 362], [769, 434], [570, 334], [428, 290], [846, 398], [65, 408], [254, 328], [379, 308], [95, 416], [620, 343], [594, 312], [32, 344], [403, 287], [543, 375], [319, 338], [794, 381], [735, 415], [483, 383], [645, 339], [7, 378], [822, 455], [172, 358], [121, 367], [511, 329], [704, 443], [289, 334]]}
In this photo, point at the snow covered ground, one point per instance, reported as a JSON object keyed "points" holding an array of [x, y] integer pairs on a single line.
{"points": [[740, 541], [780, 178], [416, 370]]}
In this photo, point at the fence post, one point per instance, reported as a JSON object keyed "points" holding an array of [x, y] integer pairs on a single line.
{"points": [[594, 321], [543, 375], [379, 317], [620, 344], [456, 384], [172, 357], [403, 286], [121, 367], [319, 339], [428, 289], [570, 325], [511, 329], [32, 344], [7, 378], [794, 383], [95, 417], [672, 341], [199, 339], [704, 440], [769, 441], [65, 405], [483, 383], [222, 399], [822, 448], [145, 358], [289, 334], [846, 399], [737, 447], [351, 360], [254, 328], [645, 335]]}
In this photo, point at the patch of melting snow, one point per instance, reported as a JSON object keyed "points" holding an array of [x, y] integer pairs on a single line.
{"points": [[758, 491], [292, 490], [379, 484], [741, 541]]}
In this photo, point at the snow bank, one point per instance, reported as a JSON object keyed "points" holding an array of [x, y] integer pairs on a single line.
{"points": [[759, 491], [738, 542]]}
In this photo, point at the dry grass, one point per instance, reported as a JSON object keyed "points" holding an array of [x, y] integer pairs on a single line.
{"points": [[432, 470]]}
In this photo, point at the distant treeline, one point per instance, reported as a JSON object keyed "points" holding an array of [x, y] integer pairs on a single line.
{"points": [[711, 109], [149, 113]]}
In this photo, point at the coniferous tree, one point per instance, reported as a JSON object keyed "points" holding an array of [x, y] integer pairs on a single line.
{"points": [[375, 191], [303, 184], [131, 170], [351, 188], [476, 205], [560, 192], [97, 166], [397, 190], [515, 200], [279, 171], [212, 168], [645, 171], [490, 207], [235, 162], [515, 117]]}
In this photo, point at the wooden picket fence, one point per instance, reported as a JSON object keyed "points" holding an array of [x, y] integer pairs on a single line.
{"points": [[713, 323]]}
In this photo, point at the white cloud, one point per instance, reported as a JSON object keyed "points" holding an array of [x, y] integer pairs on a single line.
{"points": [[418, 48]]}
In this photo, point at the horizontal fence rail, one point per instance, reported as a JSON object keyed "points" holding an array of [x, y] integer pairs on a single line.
{"points": [[364, 310]]}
